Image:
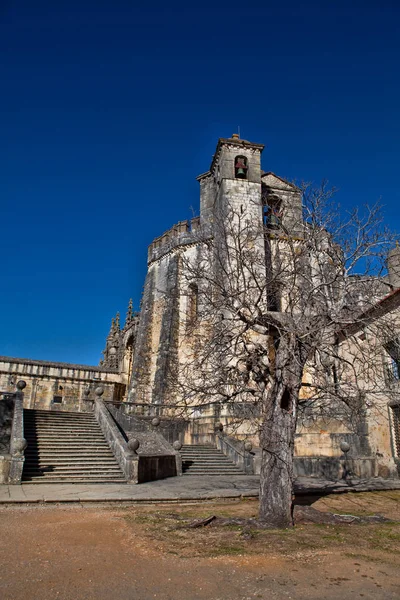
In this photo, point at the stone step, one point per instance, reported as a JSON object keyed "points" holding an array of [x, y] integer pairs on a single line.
{"points": [[67, 444], [55, 413], [75, 463], [67, 447], [99, 462], [49, 475], [58, 418], [227, 465], [78, 468], [195, 465], [65, 439], [63, 431], [210, 453], [60, 480], [206, 460], [211, 474], [62, 426], [60, 454]]}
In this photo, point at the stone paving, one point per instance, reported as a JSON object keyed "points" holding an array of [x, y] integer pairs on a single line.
{"points": [[176, 489]]}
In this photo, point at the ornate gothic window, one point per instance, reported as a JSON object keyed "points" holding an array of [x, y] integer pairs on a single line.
{"points": [[241, 167]]}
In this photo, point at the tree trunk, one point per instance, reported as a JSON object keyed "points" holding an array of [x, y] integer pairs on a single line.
{"points": [[278, 433]]}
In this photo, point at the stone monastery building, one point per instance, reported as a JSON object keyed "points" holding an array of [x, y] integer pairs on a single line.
{"points": [[143, 354]]}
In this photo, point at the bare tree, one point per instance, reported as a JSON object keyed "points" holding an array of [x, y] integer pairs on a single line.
{"points": [[268, 307]]}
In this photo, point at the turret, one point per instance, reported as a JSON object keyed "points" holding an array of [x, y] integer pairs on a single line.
{"points": [[111, 352], [393, 263]]}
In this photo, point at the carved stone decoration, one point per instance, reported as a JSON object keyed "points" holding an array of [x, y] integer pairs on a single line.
{"points": [[19, 445], [177, 445], [21, 385], [99, 391], [248, 446], [344, 446], [156, 422], [133, 444]]}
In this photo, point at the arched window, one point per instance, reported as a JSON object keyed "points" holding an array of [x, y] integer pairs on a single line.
{"points": [[128, 358], [241, 167], [273, 212]]}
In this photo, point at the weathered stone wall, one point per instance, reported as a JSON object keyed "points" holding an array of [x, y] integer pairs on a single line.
{"points": [[58, 386], [6, 416]]}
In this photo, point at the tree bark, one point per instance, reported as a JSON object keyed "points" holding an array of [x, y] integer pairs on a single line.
{"points": [[278, 433]]}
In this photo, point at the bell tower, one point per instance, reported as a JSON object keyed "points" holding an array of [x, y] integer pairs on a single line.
{"points": [[234, 178]]}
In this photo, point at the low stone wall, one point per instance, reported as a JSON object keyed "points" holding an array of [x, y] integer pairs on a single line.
{"points": [[156, 467], [157, 457], [58, 386], [6, 417], [335, 468], [235, 450], [127, 460], [17, 441]]}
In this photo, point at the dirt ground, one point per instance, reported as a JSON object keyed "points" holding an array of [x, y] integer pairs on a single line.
{"points": [[134, 552]]}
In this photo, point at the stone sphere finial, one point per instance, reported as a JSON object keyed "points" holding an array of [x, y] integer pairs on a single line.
{"points": [[99, 391], [177, 445], [156, 422], [220, 427], [86, 391], [21, 385], [19, 445], [344, 446], [248, 446], [133, 444]]}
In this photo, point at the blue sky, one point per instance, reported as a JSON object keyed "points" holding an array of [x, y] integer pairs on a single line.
{"points": [[109, 110]]}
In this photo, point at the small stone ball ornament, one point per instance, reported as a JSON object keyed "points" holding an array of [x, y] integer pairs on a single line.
{"points": [[248, 446], [156, 422], [21, 385], [86, 391], [344, 446], [220, 426], [133, 444], [99, 391], [19, 445], [177, 445]]}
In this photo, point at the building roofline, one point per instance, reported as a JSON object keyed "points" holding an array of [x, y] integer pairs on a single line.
{"points": [[292, 185], [203, 176], [383, 306], [233, 141], [50, 363]]}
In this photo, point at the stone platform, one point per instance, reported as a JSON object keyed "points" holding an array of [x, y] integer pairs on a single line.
{"points": [[177, 489]]}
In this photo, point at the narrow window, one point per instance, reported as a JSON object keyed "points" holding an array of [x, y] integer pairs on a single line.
{"points": [[274, 298], [393, 363], [396, 428], [241, 167], [193, 304], [57, 399], [285, 400]]}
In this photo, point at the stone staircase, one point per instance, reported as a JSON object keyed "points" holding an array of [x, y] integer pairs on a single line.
{"points": [[67, 447], [206, 460]]}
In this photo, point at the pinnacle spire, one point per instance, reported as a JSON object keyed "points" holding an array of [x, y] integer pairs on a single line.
{"points": [[129, 313], [112, 328], [117, 325]]}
